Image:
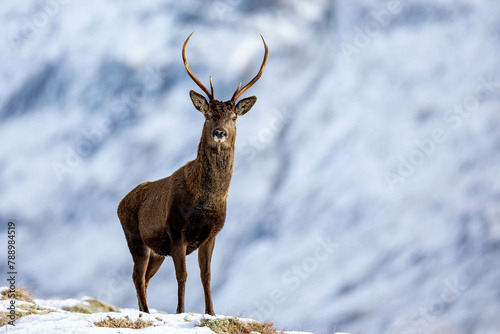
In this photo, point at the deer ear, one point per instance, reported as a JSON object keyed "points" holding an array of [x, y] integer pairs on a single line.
{"points": [[199, 101], [245, 105]]}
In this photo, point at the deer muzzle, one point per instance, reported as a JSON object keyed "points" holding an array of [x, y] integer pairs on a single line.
{"points": [[219, 135]]}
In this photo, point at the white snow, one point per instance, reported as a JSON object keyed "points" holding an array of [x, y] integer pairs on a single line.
{"points": [[61, 321]]}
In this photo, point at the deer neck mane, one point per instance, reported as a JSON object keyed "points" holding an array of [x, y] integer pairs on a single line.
{"points": [[214, 168]]}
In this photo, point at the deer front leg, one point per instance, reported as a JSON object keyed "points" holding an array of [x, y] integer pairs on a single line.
{"points": [[204, 260], [179, 257]]}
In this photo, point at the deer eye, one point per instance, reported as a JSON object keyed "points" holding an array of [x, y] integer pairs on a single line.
{"points": [[208, 117], [235, 118]]}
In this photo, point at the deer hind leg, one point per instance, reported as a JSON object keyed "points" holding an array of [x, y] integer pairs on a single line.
{"points": [[179, 257], [155, 262], [140, 254]]}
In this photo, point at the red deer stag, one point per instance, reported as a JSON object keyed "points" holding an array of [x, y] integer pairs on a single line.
{"points": [[185, 211]]}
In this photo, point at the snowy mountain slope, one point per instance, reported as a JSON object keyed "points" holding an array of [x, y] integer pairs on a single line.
{"points": [[366, 192]]}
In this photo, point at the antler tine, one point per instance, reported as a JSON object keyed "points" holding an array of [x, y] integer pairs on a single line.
{"points": [[211, 86], [195, 79], [239, 91]]}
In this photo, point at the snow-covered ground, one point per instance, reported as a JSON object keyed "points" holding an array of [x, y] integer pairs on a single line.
{"points": [[67, 322], [366, 196], [52, 318]]}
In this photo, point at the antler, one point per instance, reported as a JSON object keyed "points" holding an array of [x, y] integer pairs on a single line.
{"points": [[239, 91], [195, 79]]}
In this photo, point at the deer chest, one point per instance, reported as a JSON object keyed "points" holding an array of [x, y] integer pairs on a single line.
{"points": [[202, 223]]}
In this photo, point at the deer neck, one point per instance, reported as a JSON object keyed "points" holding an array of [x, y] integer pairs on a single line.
{"points": [[214, 169]]}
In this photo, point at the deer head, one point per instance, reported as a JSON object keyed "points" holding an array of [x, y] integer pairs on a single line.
{"points": [[219, 129]]}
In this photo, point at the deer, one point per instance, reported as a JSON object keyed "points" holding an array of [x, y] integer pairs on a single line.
{"points": [[185, 211]]}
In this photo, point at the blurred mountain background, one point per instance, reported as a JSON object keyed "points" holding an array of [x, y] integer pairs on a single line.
{"points": [[366, 195]]}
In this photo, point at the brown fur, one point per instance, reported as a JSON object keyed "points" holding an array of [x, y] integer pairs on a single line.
{"points": [[185, 211]]}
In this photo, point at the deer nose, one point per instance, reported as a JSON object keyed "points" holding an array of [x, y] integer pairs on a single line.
{"points": [[220, 134]]}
